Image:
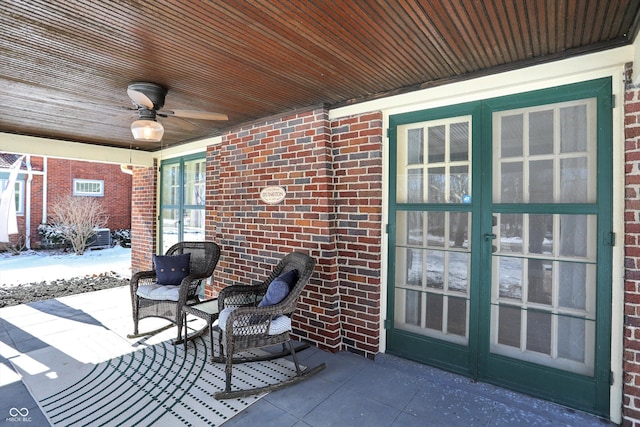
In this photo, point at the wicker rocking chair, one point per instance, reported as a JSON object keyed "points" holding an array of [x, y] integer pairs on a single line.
{"points": [[151, 299], [246, 322]]}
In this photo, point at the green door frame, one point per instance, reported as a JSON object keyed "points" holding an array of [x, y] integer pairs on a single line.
{"points": [[181, 184], [589, 394], [445, 355], [475, 360]]}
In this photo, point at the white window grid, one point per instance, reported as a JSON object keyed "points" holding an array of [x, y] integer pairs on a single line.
{"points": [[88, 187]]}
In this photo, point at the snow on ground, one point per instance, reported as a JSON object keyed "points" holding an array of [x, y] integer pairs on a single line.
{"points": [[45, 266]]}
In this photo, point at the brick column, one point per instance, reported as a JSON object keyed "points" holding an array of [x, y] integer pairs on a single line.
{"points": [[293, 152], [143, 218], [357, 146], [631, 358]]}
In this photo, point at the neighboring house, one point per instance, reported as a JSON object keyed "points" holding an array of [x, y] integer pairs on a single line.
{"points": [[43, 180]]}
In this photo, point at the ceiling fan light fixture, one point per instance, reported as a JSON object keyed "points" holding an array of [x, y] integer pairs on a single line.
{"points": [[147, 130]]}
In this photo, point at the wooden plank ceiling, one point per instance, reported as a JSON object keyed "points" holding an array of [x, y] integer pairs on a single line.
{"points": [[65, 64]]}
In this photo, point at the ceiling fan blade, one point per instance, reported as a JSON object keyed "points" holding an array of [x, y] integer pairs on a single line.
{"points": [[182, 124], [140, 98], [193, 114]]}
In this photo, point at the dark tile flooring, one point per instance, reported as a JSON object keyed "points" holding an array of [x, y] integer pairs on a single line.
{"points": [[350, 391], [390, 391]]}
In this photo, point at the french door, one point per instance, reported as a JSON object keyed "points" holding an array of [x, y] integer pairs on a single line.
{"points": [[182, 200], [500, 241]]}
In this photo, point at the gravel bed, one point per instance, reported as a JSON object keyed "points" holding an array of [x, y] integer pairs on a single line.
{"points": [[30, 292]]}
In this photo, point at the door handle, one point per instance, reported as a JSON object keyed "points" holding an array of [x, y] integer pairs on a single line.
{"points": [[489, 236]]}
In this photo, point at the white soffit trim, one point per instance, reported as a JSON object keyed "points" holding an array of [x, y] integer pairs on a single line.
{"points": [[636, 61], [20, 144], [580, 68], [199, 146]]}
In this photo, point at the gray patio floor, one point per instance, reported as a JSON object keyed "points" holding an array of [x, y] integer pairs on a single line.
{"points": [[352, 390], [390, 391]]}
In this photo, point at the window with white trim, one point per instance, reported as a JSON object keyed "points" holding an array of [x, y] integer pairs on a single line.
{"points": [[19, 194], [88, 187]]}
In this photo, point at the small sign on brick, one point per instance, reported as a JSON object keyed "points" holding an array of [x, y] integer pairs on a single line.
{"points": [[272, 195]]}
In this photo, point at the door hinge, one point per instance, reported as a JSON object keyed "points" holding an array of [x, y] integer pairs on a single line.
{"points": [[387, 324], [606, 375], [610, 239], [388, 132], [387, 228]]}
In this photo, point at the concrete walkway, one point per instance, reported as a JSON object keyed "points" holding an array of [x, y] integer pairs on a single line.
{"points": [[351, 390]]}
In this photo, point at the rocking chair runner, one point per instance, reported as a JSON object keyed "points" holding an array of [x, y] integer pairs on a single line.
{"points": [[149, 299], [245, 324]]}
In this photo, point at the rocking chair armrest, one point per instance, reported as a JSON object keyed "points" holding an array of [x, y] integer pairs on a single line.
{"points": [[244, 317], [186, 285], [239, 296], [137, 279], [141, 276]]}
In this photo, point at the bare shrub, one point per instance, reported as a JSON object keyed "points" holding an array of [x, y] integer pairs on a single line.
{"points": [[77, 218], [15, 246]]}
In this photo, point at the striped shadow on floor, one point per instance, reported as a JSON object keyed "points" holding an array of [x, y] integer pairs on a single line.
{"points": [[160, 385]]}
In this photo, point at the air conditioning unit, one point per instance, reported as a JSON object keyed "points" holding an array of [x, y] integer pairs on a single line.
{"points": [[100, 240]]}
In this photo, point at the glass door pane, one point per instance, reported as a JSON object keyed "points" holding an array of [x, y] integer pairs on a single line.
{"points": [[433, 256], [543, 295], [182, 201], [434, 162], [540, 158], [170, 228], [171, 185], [170, 200], [194, 197]]}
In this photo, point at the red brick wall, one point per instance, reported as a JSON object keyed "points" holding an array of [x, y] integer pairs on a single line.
{"points": [[117, 187], [332, 174], [60, 175], [357, 147], [143, 218], [211, 217], [631, 356], [293, 152]]}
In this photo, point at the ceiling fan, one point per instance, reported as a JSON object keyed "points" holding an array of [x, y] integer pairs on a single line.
{"points": [[148, 99]]}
